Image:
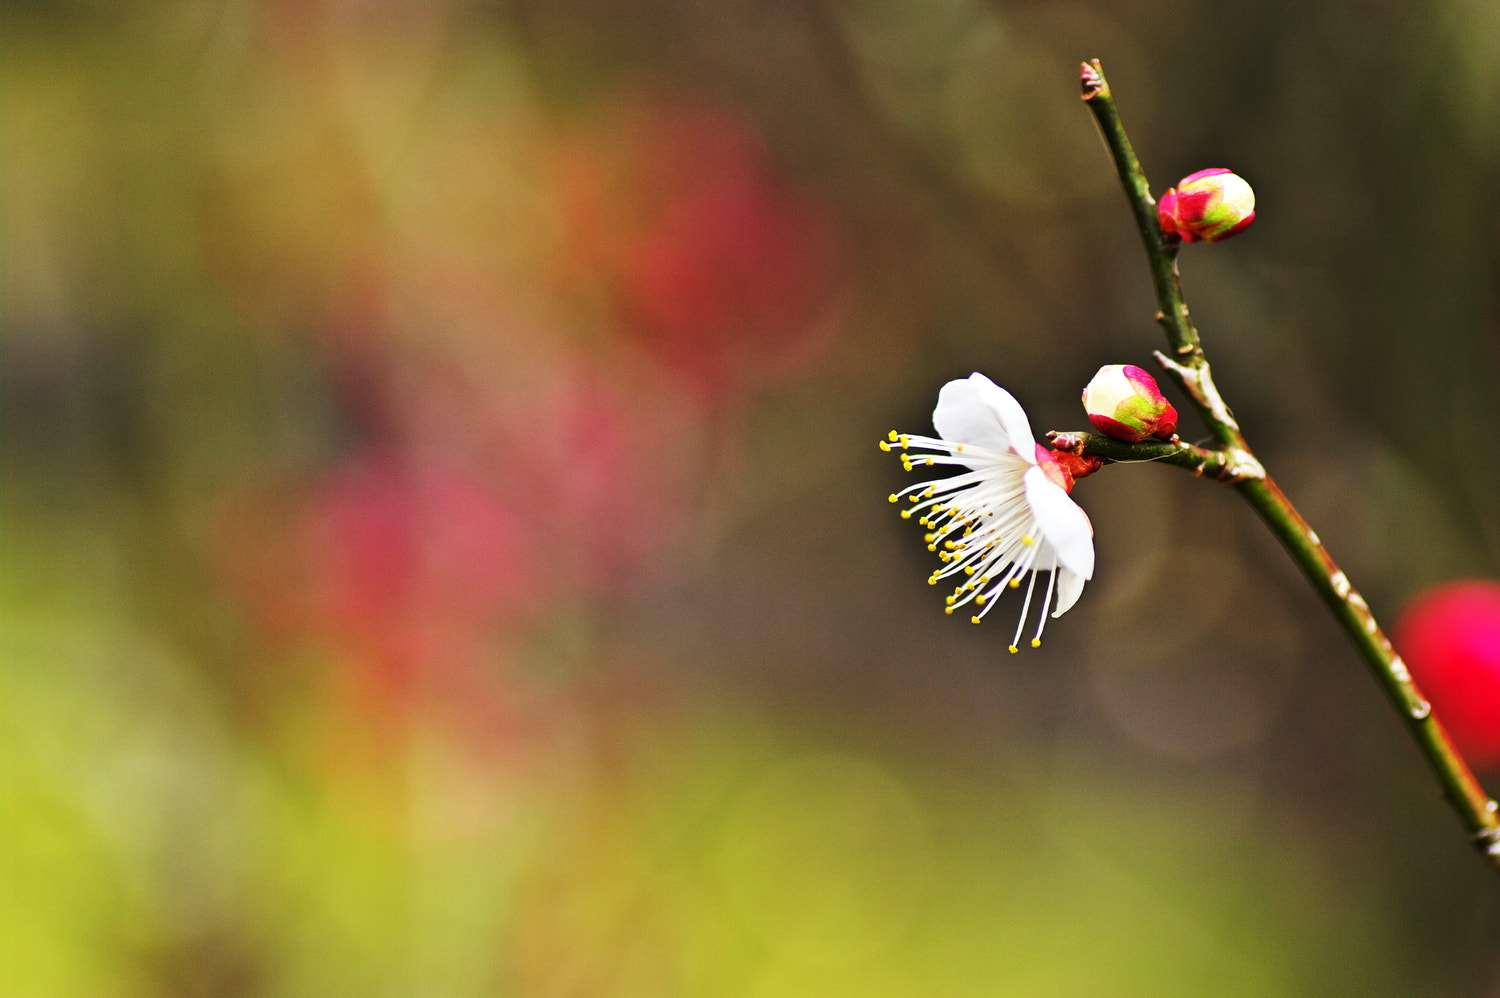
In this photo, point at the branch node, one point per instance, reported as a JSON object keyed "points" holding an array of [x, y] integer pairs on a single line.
{"points": [[1068, 443], [1487, 840], [1198, 381], [1240, 466]]}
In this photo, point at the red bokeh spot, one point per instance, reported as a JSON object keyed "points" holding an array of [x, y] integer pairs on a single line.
{"points": [[391, 543], [721, 268]]}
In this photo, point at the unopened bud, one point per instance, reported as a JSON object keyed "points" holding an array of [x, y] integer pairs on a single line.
{"points": [[1209, 205], [1123, 402]]}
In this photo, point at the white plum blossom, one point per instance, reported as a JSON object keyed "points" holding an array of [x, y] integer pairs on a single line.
{"points": [[1007, 516]]}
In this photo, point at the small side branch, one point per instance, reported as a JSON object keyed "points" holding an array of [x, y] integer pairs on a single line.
{"points": [[1177, 452]]}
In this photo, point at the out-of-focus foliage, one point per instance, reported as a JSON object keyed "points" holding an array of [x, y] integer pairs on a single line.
{"points": [[445, 550]]}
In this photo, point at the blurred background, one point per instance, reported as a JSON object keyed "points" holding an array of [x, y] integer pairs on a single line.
{"points": [[445, 550]]}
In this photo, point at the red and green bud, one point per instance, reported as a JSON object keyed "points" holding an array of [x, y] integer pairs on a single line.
{"points": [[1209, 205], [1124, 402]]}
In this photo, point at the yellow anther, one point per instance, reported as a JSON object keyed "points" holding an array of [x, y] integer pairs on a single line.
{"points": [[906, 514], [951, 545], [932, 579], [980, 599], [1036, 642], [893, 436], [928, 462], [950, 600], [885, 446], [968, 569], [895, 498], [928, 493], [929, 538], [1028, 540], [974, 619], [913, 497], [932, 547], [958, 448], [1015, 583], [948, 610], [1014, 649], [905, 441]]}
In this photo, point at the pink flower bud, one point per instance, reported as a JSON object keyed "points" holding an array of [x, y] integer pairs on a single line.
{"points": [[1123, 402], [1209, 205]]}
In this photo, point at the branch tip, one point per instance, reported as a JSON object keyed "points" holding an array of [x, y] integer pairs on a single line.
{"points": [[1092, 79]]}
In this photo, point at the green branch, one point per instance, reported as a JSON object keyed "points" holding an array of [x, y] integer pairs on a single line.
{"points": [[1175, 452], [1234, 463], [1187, 367]]}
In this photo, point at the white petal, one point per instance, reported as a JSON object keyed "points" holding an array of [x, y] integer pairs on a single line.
{"points": [[1062, 522], [979, 412], [1010, 414], [1069, 587]]}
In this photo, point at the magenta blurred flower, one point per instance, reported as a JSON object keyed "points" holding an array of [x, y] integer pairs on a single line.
{"points": [[1008, 516], [391, 542], [1449, 637], [405, 568], [607, 471], [721, 268]]}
